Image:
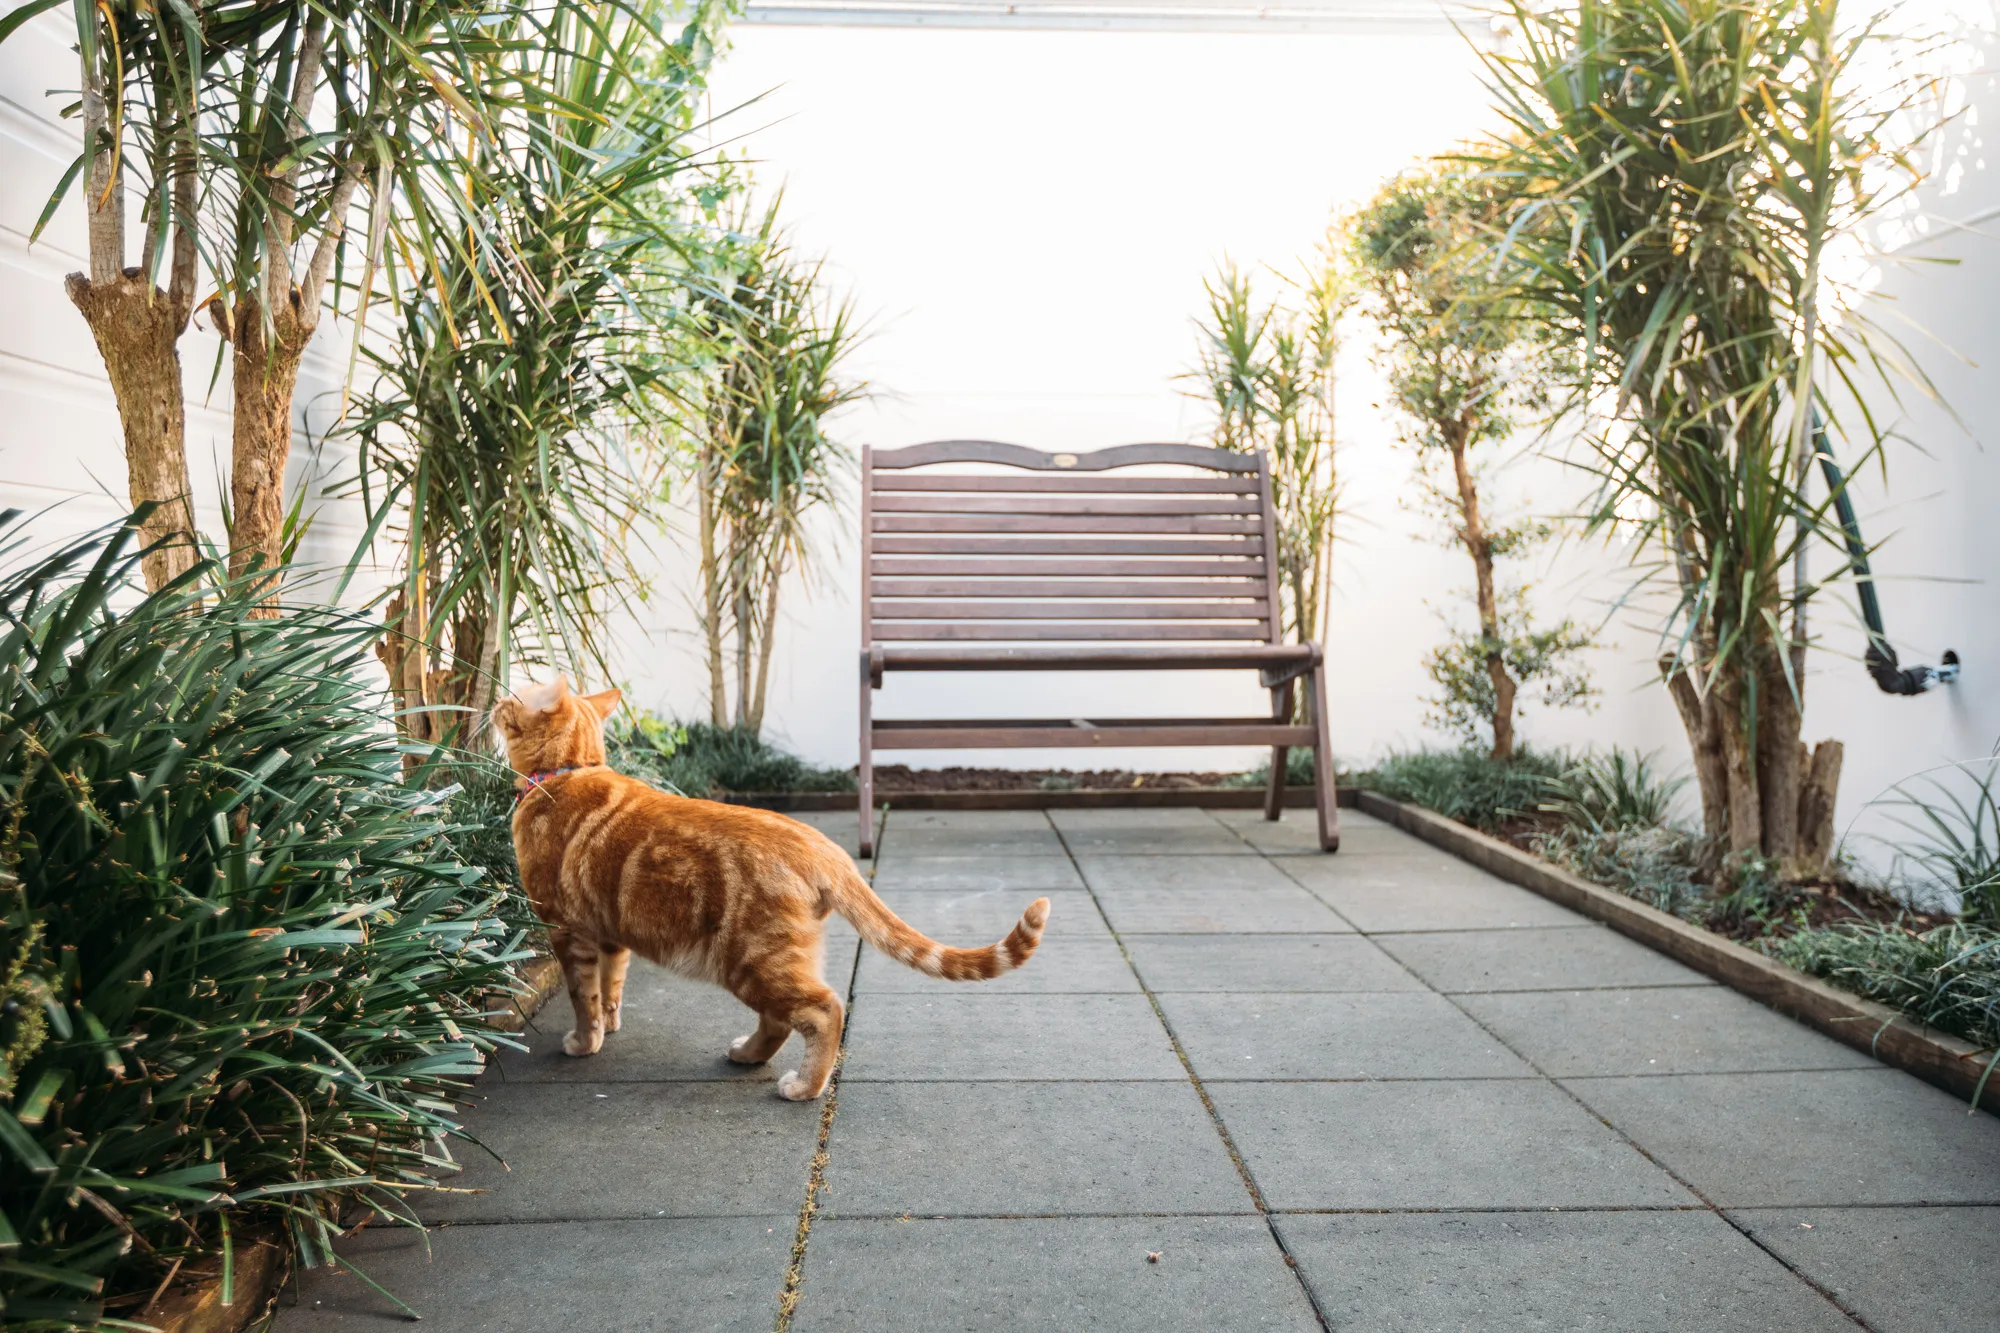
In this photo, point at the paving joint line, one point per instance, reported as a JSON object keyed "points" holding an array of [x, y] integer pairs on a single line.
{"points": [[1824, 1292], [794, 1285], [1208, 1104]]}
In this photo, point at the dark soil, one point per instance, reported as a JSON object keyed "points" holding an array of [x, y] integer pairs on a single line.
{"points": [[891, 778]]}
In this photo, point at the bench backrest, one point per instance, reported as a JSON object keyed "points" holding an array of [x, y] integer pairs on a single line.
{"points": [[1070, 548]]}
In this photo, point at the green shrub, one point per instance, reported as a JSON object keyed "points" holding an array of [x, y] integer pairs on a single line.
{"points": [[1298, 771], [244, 971], [1656, 864], [1608, 792], [697, 759], [1948, 976], [1468, 785]]}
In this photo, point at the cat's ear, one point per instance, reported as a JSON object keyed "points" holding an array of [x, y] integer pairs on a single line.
{"points": [[602, 703], [542, 698]]}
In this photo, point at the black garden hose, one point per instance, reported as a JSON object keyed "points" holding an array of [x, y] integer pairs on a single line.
{"points": [[1880, 656]]}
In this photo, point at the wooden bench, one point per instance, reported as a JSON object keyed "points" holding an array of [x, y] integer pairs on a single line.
{"points": [[1070, 562]]}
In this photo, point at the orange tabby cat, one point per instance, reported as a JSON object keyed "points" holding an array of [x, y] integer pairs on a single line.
{"points": [[720, 892]]}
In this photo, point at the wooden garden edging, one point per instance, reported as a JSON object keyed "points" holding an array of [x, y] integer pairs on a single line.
{"points": [[1889, 1035]]}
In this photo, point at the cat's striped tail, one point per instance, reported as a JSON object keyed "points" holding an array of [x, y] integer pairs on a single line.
{"points": [[894, 936]]}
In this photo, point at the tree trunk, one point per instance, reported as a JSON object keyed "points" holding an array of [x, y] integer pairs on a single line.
{"points": [[1705, 741], [1472, 531], [1780, 771], [1817, 795], [138, 329], [766, 637], [711, 589], [266, 371]]}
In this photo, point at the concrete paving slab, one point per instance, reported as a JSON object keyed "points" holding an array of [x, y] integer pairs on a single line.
{"points": [[1375, 1036], [1480, 1144], [675, 1030], [1297, 833], [1063, 965], [1555, 958], [630, 1150], [1255, 963], [1864, 1136], [960, 1035], [1112, 874], [1283, 909], [1027, 1148], [723, 1274], [911, 833], [1904, 1270], [1159, 831], [1380, 895], [1697, 1030], [843, 826], [1622, 1272], [901, 872], [1049, 1273]]}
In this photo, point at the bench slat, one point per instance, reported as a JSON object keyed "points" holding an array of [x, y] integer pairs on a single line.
{"points": [[1108, 505], [1030, 735], [973, 612], [1081, 523], [948, 544], [977, 567], [1061, 483], [895, 630], [1094, 460], [1050, 587]]}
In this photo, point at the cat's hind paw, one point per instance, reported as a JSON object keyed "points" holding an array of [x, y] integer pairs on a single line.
{"points": [[795, 1089], [741, 1052], [583, 1043]]}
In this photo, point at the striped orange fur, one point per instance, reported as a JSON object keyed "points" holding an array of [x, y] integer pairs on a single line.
{"points": [[734, 896]]}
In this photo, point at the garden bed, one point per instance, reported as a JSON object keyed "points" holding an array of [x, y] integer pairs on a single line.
{"points": [[1889, 1035]]}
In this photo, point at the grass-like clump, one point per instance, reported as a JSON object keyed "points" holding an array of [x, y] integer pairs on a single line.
{"points": [[700, 759], [1948, 976], [1468, 785]]}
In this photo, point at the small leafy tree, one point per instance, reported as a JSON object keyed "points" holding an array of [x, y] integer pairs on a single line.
{"points": [[1268, 371], [1680, 172], [1463, 368], [771, 339]]}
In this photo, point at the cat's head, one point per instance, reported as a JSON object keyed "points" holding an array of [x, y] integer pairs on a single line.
{"points": [[547, 726]]}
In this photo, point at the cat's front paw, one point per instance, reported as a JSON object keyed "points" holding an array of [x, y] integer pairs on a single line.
{"points": [[583, 1043], [614, 1019], [741, 1054], [795, 1089]]}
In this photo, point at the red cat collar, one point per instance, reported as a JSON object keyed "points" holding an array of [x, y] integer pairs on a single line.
{"points": [[541, 775]]}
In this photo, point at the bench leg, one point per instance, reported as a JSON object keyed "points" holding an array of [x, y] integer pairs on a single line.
{"points": [[1323, 792], [864, 774], [1274, 790]]}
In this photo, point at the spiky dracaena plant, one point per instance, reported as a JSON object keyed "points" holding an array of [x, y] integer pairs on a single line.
{"points": [[246, 977], [772, 340], [499, 424], [1268, 373], [1682, 170]]}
